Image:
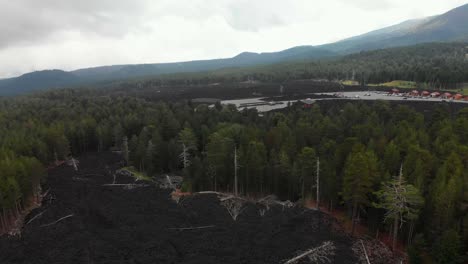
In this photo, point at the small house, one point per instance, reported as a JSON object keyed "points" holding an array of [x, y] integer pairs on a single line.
{"points": [[308, 102], [394, 91], [414, 93], [446, 96], [435, 94], [458, 97], [425, 93]]}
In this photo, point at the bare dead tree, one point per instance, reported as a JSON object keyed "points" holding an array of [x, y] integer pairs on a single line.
{"points": [[169, 182], [271, 200], [185, 156], [125, 150], [234, 205], [236, 167], [365, 252], [320, 254], [318, 183], [211, 172], [74, 163]]}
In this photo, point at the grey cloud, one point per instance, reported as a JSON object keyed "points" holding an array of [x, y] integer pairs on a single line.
{"points": [[253, 15], [369, 5], [25, 22]]}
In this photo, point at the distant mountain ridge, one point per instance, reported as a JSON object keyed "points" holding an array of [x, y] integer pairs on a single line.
{"points": [[451, 26]]}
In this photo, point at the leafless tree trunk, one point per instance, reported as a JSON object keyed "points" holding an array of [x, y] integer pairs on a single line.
{"points": [[303, 191], [56, 158], [410, 233], [125, 149], [318, 183], [353, 218], [365, 252], [75, 166], [185, 156], [236, 166], [395, 233], [320, 254]]}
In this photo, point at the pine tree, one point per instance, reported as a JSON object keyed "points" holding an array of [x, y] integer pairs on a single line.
{"points": [[359, 176], [401, 201]]}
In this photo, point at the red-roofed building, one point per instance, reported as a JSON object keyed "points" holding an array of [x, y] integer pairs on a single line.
{"points": [[414, 93], [446, 96], [425, 93], [435, 94], [458, 97], [395, 91]]}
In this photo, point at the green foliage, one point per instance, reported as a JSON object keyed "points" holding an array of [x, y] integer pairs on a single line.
{"points": [[187, 137], [448, 247], [306, 162], [447, 192], [360, 175]]}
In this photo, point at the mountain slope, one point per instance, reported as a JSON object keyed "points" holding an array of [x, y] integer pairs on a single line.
{"points": [[241, 60], [39, 80], [450, 26]]}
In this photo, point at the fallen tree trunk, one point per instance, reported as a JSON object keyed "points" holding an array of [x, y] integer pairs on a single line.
{"points": [[317, 254], [35, 217], [53, 223], [191, 228]]}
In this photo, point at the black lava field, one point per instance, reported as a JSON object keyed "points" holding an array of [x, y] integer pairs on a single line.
{"points": [[83, 220]]}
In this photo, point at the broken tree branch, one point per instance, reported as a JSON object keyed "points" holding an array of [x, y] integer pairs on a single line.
{"points": [[35, 217], [365, 252], [320, 253], [53, 223]]}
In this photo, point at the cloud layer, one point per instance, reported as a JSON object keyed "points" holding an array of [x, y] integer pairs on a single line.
{"points": [[70, 34]]}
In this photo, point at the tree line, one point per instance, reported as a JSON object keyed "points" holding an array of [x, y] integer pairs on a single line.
{"points": [[371, 155], [438, 65]]}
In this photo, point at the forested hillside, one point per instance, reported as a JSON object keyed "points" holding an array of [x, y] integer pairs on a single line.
{"points": [[438, 64], [361, 147]]}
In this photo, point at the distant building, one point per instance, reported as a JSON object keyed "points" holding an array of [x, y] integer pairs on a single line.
{"points": [[307, 102], [435, 94], [458, 97], [415, 93], [446, 96], [425, 93], [395, 91]]}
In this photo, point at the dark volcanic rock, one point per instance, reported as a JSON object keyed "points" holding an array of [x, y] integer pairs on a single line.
{"points": [[113, 224]]}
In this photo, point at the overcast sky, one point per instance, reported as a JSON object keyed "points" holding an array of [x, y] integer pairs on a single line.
{"points": [[72, 34]]}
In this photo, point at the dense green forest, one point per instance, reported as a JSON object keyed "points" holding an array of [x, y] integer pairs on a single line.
{"points": [[437, 64], [362, 150]]}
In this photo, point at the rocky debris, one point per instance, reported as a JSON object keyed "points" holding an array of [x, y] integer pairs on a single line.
{"points": [[377, 252], [124, 173]]}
